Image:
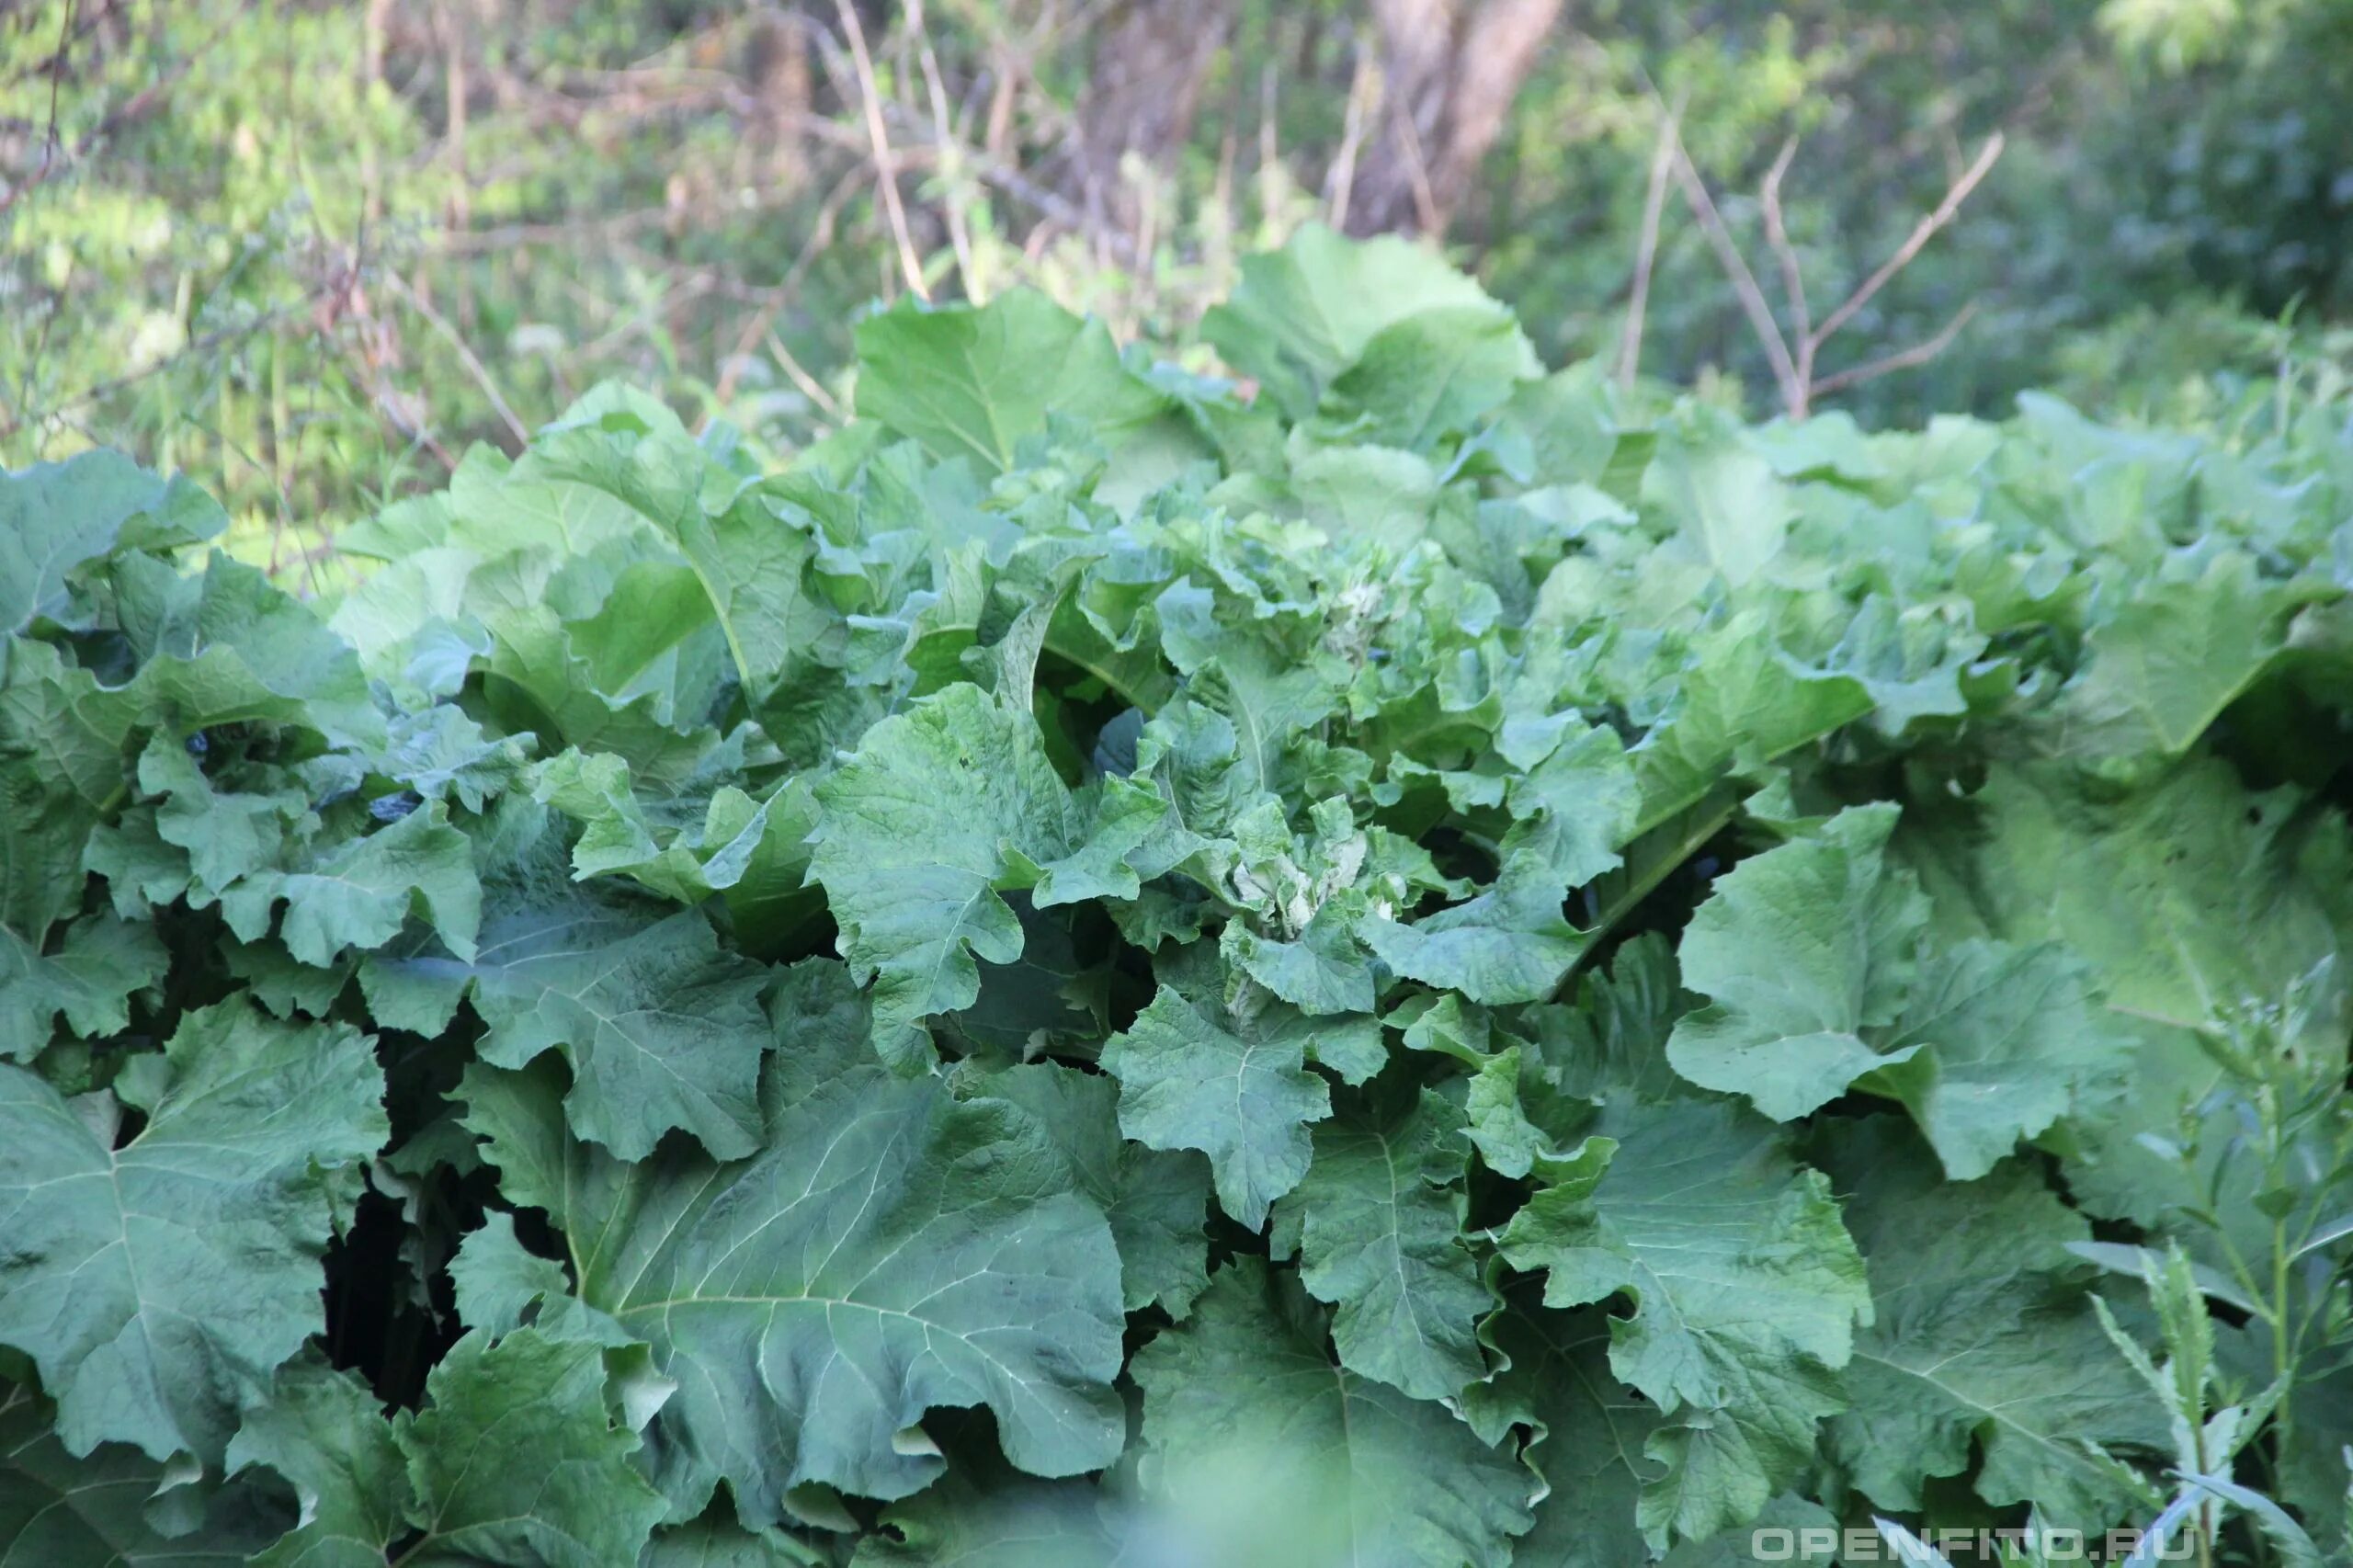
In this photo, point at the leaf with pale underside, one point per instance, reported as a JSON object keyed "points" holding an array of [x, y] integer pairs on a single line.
{"points": [[1803, 950]]}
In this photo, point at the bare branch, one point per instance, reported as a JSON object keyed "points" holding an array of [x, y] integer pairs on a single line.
{"points": [[1744, 282], [56, 158], [1903, 359], [1922, 233], [953, 202], [1630, 342], [1341, 182], [1776, 235], [810, 386], [886, 172], [1418, 170], [440, 324]]}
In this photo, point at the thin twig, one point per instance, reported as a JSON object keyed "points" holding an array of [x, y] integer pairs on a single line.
{"points": [[1270, 163], [763, 323], [1922, 233], [453, 84], [1340, 184], [79, 26], [384, 397], [1418, 170], [885, 166], [1776, 237], [1048, 202], [440, 323], [960, 234], [56, 158], [1903, 359], [1630, 342], [511, 236], [810, 386], [1744, 282], [48, 143]]}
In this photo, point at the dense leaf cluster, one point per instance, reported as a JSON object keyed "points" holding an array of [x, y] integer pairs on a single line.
{"points": [[1377, 966]]}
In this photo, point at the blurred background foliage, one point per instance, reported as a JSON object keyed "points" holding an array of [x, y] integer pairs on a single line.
{"points": [[309, 250]]}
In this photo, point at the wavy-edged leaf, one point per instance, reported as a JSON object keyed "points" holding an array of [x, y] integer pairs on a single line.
{"points": [[1306, 313], [911, 848], [890, 1250], [159, 1284], [1745, 1292], [1509, 944], [970, 382], [1242, 1403], [1983, 1344], [1156, 1201], [111, 1508], [88, 980], [1380, 1224], [561, 1489], [1803, 949], [1193, 1076]]}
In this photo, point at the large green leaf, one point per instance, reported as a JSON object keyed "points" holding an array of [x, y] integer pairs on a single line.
{"points": [[325, 1435], [1742, 702], [940, 808], [1428, 376], [1588, 1433], [1801, 949], [57, 516], [2165, 665], [1192, 1076], [1310, 310], [1576, 808], [89, 980], [981, 1514], [1156, 1202], [158, 1283], [514, 1461], [1509, 944], [1727, 508], [1379, 1225], [662, 1027], [359, 894], [2002, 1042], [561, 1490], [659, 1023], [1242, 1405], [1746, 1292], [2190, 897], [111, 1508], [890, 1250], [744, 549], [1982, 1343], [972, 382]]}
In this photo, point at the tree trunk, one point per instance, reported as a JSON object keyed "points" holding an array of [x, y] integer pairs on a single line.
{"points": [[1152, 58], [1449, 70]]}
